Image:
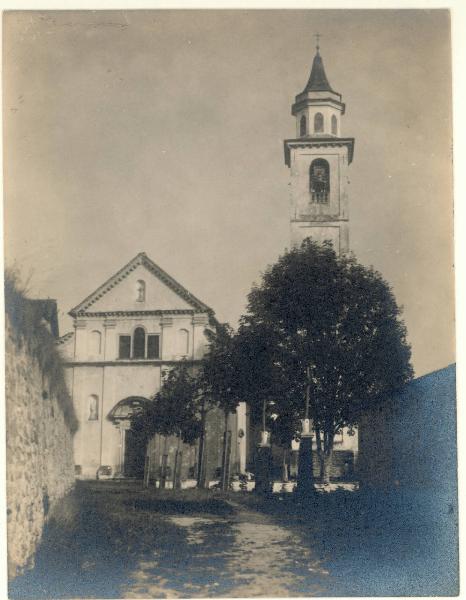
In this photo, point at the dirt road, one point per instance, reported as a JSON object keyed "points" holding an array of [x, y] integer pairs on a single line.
{"points": [[116, 540]]}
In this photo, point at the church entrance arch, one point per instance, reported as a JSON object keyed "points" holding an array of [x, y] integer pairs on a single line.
{"points": [[132, 447]]}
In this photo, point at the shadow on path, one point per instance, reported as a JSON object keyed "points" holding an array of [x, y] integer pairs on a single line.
{"points": [[116, 540], [110, 540]]}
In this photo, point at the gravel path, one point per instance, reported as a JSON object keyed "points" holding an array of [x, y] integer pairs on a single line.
{"points": [[242, 555], [112, 540]]}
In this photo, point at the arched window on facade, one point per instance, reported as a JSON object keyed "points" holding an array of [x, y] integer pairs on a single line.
{"points": [[183, 342], [334, 125], [139, 343], [319, 123], [302, 126], [93, 407], [95, 343], [319, 181], [141, 290]]}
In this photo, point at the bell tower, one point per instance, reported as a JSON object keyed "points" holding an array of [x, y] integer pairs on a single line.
{"points": [[318, 158]]}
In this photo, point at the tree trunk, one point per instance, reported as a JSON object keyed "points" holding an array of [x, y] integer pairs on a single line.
{"points": [[146, 480], [163, 471], [328, 461], [225, 456], [201, 467], [320, 454], [327, 456], [285, 465], [177, 466]]}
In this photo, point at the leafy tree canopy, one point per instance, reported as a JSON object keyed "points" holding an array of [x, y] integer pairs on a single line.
{"points": [[219, 376], [335, 317], [175, 409]]}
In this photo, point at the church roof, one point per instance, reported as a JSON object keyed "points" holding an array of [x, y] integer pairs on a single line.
{"points": [[64, 339], [318, 81], [140, 259]]}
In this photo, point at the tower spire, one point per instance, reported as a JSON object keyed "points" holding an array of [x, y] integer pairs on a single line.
{"points": [[318, 81]]}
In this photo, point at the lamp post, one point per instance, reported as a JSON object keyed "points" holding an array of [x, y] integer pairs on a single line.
{"points": [[305, 484]]}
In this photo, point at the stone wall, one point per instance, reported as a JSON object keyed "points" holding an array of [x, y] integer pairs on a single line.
{"points": [[40, 466]]}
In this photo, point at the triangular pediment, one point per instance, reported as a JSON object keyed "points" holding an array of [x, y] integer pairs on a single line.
{"points": [[122, 292]]}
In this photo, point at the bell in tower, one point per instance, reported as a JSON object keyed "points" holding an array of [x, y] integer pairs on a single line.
{"points": [[318, 158]]}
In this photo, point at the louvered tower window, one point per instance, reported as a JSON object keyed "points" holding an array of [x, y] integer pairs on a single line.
{"points": [[319, 123], [319, 181]]}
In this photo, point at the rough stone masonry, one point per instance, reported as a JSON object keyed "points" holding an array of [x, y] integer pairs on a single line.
{"points": [[40, 467]]}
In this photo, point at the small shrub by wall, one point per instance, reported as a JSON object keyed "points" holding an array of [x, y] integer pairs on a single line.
{"points": [[40, 423]]}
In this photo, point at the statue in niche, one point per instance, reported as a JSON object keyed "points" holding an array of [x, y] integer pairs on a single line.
{"points": [[141, 291], [93, 408]]}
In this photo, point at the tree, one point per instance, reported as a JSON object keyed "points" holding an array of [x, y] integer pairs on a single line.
{"points": [[175, 410], [337, 331], [181, 406], [264, 383], [220, 381]]}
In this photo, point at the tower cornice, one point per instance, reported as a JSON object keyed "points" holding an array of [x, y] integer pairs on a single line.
{"points": [[317, 142], [303, 100]]}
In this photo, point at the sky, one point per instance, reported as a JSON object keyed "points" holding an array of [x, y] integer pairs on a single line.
{"points": [[162, 131]]}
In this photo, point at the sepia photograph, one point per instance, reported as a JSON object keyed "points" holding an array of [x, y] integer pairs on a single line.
{"points": [[229, 284]]}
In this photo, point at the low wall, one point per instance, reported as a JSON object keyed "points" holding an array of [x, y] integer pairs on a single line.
{"points": [[410, 440], [40, 466]]}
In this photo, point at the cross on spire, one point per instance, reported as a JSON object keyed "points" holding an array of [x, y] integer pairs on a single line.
{"points": [[317, 36]]}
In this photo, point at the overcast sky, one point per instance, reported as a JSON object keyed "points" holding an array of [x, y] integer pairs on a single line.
{"points": [[162, 131]]}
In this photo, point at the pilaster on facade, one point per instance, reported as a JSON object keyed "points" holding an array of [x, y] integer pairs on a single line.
{"points": [[166, 321], [200, 319]]}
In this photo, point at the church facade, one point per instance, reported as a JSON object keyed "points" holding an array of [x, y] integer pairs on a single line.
{"points": [[127, 335]]}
